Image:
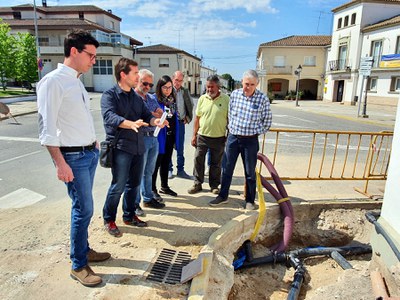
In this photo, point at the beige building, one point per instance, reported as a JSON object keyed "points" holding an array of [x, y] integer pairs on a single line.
{"points": [[53, 23], [278, 60], [165, 60]]}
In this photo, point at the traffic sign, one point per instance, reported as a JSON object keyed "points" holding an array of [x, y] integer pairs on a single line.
{"points": [[366, 65]]}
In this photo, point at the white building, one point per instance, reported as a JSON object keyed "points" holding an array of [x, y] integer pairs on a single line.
{"points": [[165, 60], [204, 73], [363, 28]]}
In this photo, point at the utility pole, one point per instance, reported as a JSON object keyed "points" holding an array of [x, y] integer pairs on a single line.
{"points": [[37, 40]]}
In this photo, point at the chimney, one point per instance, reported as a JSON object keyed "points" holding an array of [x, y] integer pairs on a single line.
{"points": [[109, 10], [44, 3]]}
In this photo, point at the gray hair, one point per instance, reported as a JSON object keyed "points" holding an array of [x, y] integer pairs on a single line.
{"points": [[145, 72], [215, 79], [251, 74]]}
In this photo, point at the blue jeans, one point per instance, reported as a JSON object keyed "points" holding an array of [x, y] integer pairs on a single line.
{"points": [[180, 159], [126, 177], [248, 148], [83, 165], [149, 160]]}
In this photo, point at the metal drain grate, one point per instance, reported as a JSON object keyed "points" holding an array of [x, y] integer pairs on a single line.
{"points": [[168, 266]]}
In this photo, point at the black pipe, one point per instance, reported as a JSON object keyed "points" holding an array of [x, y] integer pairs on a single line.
{"points": [[295, 287], [371, 217], [341, 260]]}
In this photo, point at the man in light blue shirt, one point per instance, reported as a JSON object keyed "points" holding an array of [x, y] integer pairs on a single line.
{"points": [[249, 116]]}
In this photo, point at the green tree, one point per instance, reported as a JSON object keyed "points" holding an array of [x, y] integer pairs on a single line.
{"points": [[231, 81], [26, 60], [7, 54]]}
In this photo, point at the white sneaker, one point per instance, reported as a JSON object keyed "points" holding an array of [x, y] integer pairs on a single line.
{"points": [[250, 206]]}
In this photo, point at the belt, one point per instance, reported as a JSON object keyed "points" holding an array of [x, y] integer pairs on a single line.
{"points": [[169, 132], [78, 148], [246, 136], [148, 133]]}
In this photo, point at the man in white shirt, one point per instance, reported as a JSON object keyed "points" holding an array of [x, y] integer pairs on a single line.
{"points": [[66, 129]]}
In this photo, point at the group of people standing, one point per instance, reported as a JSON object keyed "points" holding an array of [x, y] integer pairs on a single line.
{"points": [[131, 116]]}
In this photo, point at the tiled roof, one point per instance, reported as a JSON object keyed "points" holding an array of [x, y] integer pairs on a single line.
{"points": [[351, 3], [385, 23], [300, 40], [61, 9], [161, 48], [56, 24]]}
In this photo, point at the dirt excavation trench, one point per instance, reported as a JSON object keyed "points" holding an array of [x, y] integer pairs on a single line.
{"points": [[324, 278]]}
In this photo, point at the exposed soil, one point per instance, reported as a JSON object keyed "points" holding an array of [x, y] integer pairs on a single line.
{"points": [[324, 278]]}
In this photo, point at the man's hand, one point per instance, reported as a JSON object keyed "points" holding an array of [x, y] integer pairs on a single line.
{"points": [[158, 113], [137, 124], [194, 141], [64, 173], [157, 122]]}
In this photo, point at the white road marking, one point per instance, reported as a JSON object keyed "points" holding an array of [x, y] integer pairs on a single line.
{"points": [[18, 139], [18, 157], [292, 117], [20, 198]]}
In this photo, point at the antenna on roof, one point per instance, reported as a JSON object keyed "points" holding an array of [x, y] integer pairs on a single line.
{"points": [[149, 38]]}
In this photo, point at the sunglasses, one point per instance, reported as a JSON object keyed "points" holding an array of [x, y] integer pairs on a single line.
{"points": [[148, 84]]}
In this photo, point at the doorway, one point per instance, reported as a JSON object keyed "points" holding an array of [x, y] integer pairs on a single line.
{"points": [[340, 88]]}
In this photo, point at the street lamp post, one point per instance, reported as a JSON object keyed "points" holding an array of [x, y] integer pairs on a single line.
{"points": [[297, 72], [37, 39]]}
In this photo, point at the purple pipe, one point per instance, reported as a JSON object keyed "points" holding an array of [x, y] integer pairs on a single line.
{"points": [[286, 207]]}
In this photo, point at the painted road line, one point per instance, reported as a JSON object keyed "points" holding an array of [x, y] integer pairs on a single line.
{"points": [[18, 139], [20, 198], [18, 157]]}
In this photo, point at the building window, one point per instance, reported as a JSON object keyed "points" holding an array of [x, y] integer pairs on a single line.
{"points": [[103, 67], [339, 23], [17, 15], [276, 86], [309, 61], [112, 25], [279, 61], [395, 84], [376, 52], [145, 62], [184, 63], [81, 15], [342, 63], [164, 62], [43, 41], [372, 84], [398, 45], [346, 21], [353, 19]]}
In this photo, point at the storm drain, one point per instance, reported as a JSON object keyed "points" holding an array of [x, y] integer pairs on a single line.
{"points": [[168, 266]]}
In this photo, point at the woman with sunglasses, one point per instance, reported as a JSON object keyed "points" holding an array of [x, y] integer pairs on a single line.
{"points": [[167, 135]]}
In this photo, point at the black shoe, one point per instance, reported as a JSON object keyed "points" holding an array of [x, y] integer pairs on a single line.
{"points": [[153, 203], [135, 222], [157, 196], [168, 191]]}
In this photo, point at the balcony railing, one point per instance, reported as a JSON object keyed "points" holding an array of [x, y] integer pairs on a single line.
{"points": [[280, 70], [339, 65]]}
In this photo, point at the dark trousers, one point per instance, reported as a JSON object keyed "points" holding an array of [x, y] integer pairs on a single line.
{"points": [[215, 146], [248, 148], [163, 161]]}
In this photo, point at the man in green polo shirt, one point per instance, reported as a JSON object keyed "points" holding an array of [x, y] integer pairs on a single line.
{"points": [[209, 134]]}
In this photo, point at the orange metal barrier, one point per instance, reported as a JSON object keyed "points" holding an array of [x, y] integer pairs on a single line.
{"points": [[301, 154]]}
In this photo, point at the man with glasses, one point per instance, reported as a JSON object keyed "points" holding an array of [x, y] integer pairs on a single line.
{"points": [[123, 114], [150, 154], [185, 116], [66, 129]]}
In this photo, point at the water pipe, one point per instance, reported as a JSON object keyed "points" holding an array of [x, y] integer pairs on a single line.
{"points": [[371, 217], [281, 197]]}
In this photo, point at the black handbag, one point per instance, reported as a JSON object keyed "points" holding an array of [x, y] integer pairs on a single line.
{"points": [[106, 152]]}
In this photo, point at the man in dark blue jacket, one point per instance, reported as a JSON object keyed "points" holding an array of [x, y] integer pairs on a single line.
{"points": [[123, 114]]}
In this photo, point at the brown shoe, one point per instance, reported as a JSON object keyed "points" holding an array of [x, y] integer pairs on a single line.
{"points": [[86, 276], [195, 189], [94, 256]]}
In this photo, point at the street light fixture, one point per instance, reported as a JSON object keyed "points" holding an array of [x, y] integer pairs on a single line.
{"points": [[298, 72]]}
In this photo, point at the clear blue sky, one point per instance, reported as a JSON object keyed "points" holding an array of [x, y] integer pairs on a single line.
{"points": [[225, 33]]}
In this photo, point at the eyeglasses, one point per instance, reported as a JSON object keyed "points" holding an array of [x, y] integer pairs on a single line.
{"points": [[148, 84], [91, 55], [166, 87]]}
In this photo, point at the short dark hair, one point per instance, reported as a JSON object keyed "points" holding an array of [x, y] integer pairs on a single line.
{"points": [[214, 78], [78, 38], [123, 65], [161, 82]]}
